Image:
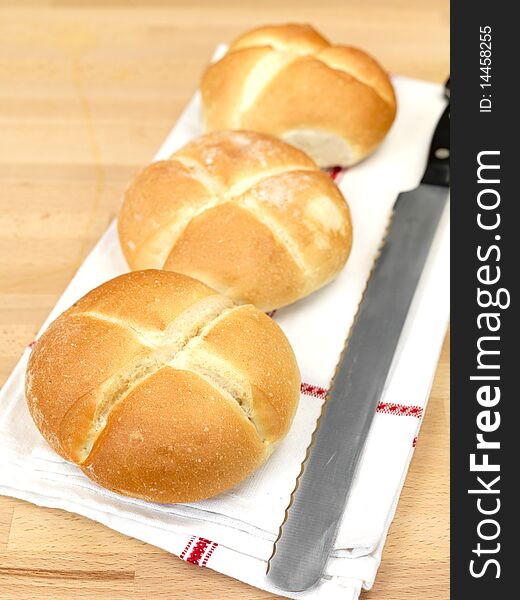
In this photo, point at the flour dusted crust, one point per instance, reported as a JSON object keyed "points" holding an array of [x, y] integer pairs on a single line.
{"points": [[243, 212], [334, 102], [162, 389]]}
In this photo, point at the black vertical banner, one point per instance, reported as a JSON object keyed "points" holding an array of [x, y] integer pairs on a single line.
{"points": [[485, 239]]}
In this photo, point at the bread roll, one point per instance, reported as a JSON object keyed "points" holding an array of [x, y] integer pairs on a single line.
{"points": [[336, 103], [243, 212], [160, 388]]}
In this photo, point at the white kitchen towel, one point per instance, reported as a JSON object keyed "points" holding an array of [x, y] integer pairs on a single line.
{"points": [[234, 532]]}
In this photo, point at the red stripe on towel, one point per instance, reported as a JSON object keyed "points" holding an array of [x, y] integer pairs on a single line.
{"points": [[337, 174], [208, 554], [188, 546], [334, 172], [399, 410], [313, 390], [197, 551], [200, 550], [387, 408]]}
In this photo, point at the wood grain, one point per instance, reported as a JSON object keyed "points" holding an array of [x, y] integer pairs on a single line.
{"points": [[88, 91]]}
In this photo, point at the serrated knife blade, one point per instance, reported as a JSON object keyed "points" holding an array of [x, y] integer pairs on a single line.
{"points": [[308, 534]]}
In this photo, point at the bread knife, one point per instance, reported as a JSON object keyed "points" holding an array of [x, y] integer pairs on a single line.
{"points": [[308, 533]]}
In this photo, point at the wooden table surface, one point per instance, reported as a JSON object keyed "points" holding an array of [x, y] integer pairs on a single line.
{"points": [[88, 91]]}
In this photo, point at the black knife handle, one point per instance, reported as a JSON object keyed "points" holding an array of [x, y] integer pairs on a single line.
{"points": [[438, 167]]}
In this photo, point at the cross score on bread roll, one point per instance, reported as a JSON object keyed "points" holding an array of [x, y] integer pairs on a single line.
{"points": [[160, 388], [334, 102], [243, 212]]}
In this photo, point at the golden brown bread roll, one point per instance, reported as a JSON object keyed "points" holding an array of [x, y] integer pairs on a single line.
{"points": [[245, 213], [160, 388], [334, 102]]}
